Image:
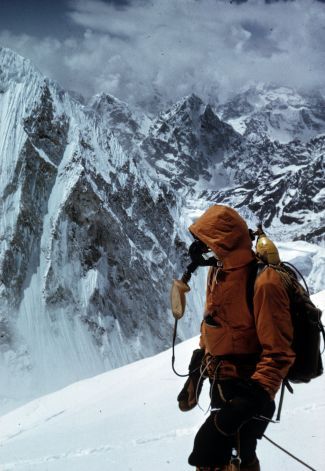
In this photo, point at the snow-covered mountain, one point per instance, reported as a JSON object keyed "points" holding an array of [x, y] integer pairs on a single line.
{"points": [[128, 419], [87, 238], [282, 184], [279, 113], [128, 127], [95, 201], [187, 144]]}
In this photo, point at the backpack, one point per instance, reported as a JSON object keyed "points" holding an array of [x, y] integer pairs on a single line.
{"points": [[305, 316], [307, 327]]}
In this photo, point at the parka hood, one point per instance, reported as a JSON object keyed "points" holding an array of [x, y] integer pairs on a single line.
{"points": [[225, 232]]}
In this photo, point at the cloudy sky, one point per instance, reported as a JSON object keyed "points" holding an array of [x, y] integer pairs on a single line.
{"points": [[144, 51]]}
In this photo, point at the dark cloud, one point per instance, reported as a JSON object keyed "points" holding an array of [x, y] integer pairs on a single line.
{"points": [[260, 39], [119, 4], [34, 17]]}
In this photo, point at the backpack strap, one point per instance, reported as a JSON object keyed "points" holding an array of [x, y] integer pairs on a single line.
{"points": [[287, 281], [255, 270]]}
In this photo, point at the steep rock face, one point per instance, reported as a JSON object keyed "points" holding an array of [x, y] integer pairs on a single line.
{"points": [[96, 236], [27, 174], [46, 131]]}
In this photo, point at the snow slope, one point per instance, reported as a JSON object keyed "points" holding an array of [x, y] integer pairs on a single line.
{"points": [[127, 419]]}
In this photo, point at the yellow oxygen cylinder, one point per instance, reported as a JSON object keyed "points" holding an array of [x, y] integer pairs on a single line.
{"points": [[266, 249]]}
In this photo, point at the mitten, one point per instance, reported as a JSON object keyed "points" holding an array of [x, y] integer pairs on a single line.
{"points": [[187, 398]]}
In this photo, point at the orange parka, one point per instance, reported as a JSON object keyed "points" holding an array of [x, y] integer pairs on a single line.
{"points": [[237, 331]]}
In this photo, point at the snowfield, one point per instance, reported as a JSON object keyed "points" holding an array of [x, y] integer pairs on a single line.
{"points": [[127, 420]]}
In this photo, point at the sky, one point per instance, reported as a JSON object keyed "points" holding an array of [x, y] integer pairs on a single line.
{"points": [[150, 52]]}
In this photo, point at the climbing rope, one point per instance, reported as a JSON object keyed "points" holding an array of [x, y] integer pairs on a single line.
{"points": [[290, 454]]}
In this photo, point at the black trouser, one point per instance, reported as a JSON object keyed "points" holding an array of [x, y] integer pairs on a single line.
{"points": [[212, 448]]}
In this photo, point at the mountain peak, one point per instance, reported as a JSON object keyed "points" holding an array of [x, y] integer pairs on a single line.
{"points": [[187, 110], [6, 53], [193, 100], [105, 100], [14, 67], [190, 103]]}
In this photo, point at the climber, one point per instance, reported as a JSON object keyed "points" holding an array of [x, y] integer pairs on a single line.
{"points": [[245, 344]]}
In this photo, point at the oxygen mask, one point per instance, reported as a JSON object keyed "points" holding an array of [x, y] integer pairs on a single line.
{"points": [[200, 257]]}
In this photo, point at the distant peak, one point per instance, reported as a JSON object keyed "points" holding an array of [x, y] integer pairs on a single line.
{"points": [[190, 104], [194, 101], [105, 100]]}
